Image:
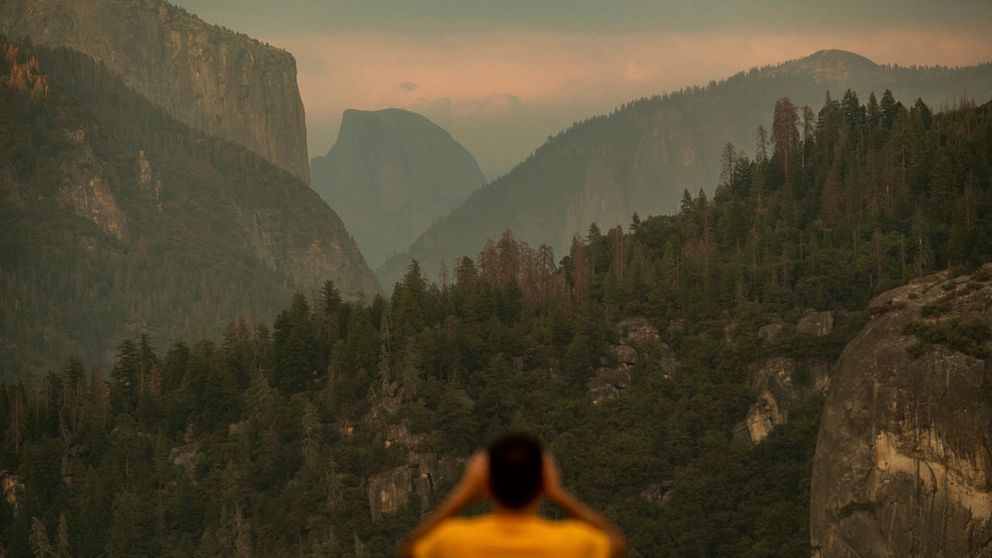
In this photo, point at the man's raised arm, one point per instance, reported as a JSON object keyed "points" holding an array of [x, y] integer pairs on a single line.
{"points": [[554, 492]]}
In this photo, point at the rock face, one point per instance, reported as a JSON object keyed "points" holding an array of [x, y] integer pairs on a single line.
{"points": [[780, 389], [642, 156], [639, 347], [142, 224], [903, 465], [207, 77], [816, 323], [419, 478], [390, 175]]}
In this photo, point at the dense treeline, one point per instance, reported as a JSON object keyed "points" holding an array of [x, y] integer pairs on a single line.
{"points": [[264, 442]]}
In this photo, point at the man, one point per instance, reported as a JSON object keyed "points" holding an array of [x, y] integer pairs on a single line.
{"points": [[516, 473]]}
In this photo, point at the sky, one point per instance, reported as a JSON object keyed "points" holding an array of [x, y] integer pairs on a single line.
{"points": [[502, 76]]}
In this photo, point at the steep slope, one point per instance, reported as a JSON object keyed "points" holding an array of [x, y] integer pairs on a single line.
{"points": [[390, 175], [207, 77], [903, 463], [642, 157], [117, 220]]}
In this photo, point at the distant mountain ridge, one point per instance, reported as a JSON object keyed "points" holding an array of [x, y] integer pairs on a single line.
{"points": [[211, 79], [390, 175], [642, 156], [118, 220]]}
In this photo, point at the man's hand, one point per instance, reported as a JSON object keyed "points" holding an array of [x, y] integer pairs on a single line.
{"points": [[475, 481], [554, 492]]}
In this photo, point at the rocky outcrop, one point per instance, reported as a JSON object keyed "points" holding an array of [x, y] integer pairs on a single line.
{"points": [[390, 175], [903, 463], [639, 343], [781, 385], [817, 324], [13, 488], [420, 478], [143, 224], [209, 78]]}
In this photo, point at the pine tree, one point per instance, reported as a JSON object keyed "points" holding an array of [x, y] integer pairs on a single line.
{"points": [[785, 132], [124, 378]]}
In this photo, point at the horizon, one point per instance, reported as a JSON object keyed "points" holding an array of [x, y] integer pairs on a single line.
{"points": [[536, 70]]}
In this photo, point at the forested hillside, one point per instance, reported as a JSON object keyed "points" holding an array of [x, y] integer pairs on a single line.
{"points": [[641, 156], [118, 220], [638, 357]]}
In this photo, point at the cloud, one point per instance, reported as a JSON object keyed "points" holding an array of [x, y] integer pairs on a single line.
{"points": [[409, 86]]}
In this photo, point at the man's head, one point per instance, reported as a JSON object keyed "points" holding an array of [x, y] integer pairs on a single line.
{"points": [[516, 464]]}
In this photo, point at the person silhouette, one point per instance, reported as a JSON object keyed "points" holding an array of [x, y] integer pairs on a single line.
{"points": [[517, 474]]}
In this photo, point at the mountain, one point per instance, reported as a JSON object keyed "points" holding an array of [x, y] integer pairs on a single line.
{"points": [[207, 77], [390, 175], [904, 455], [641, 157], [675, 368], [117, 219]]}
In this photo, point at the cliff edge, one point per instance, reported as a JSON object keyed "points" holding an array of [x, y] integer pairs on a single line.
{"points": [[903, 464], [207, 77]]}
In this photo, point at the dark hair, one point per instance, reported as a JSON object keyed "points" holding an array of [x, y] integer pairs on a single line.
{"points": [[516, 470]]}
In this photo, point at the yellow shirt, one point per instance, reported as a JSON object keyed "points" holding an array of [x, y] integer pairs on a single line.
{"points": [[499, 536]]}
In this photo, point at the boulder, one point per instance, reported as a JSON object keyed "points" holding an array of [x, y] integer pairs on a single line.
{"points": [[779, 388], [608, 383], [817, 323], [769, 332], [625, 354]]}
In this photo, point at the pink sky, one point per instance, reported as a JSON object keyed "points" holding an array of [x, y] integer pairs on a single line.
{"points": [[502, 92]]}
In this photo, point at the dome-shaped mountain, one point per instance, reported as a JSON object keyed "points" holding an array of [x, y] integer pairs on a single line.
{"points": [[390, 175], [835, 67]]}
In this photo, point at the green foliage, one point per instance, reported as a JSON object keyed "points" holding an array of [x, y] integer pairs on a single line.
{"points": [[97, 246], [965, 335], [264, 441]]}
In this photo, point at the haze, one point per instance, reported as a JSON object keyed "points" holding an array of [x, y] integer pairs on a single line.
{"points": [[502, 77]]}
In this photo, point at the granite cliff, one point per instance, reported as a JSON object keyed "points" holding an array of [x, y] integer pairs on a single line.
{"points": [[209, 78], [119, 220], [644, 155], [903, 465], [390, 175]]}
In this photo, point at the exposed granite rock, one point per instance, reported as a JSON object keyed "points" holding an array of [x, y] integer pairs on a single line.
{"points": [[608, 383], [148, 179], [780, 390], [390, 175], [658, 492], [210, 78], [419, 478], [816, 323], [639, 346], [625, 354], [769, 332], [13, 488], [638, 329], [903, 465], [122, 188], [94, 200]]}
